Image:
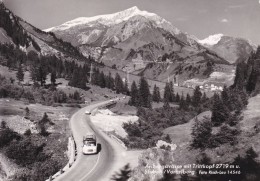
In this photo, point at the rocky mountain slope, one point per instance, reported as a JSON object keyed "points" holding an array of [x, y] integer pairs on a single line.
{"points": [[16, 31], [131, 39], [232, 49]]}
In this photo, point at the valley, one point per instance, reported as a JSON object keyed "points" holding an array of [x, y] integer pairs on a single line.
{"points": [[143, 44], [160, 103]]}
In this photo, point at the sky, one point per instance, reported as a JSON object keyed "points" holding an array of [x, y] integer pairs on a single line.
{"points": [[238, 18]]}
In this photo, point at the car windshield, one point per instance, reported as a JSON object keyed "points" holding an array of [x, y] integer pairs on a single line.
{"points": [[90, 143]]}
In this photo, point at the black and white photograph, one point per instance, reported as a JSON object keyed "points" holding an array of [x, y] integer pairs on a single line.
{"points": [[129, 90]]}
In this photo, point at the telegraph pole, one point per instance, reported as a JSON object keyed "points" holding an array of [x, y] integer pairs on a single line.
{"points": [[127, 77]]}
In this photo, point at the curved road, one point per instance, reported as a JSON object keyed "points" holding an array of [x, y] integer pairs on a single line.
{"points": [[92, 167]]}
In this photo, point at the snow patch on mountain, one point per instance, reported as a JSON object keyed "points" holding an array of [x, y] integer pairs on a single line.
{"points": [[109, 19], [211, 40], [116, 18]]}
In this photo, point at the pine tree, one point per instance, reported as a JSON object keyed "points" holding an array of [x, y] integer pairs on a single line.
{"points": [[119, 85], [156, 94], [20, 74], [177, 97], [123, 175], [74, 81], [204, 98], [42, 130], [95, 76], [166, 104], [196, 99], [41, 74], [27, 112], [251, 165], [201, 133], [204, 159], [234, 103], [240, 75], [42, 123], [225, 95], [45, 119], [188, 99], [28, 132], [144, 93], [220, 113], [172, 91], [3, 125], [101, 80], [53, 77], [134, 95], [251, 83], [110, 81], [167, 93], [183, 104], [243, 97], [33, 73], [76, 95], [168, 138], [82, 83]]}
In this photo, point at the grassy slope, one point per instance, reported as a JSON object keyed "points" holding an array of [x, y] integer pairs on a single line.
{"points": [[181, 136]]}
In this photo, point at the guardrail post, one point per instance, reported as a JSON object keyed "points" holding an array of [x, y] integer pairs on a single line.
{"points": [[61, 171], [50, 179]]}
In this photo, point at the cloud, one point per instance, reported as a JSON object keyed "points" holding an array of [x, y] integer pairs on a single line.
{"points": [[224, 20]]}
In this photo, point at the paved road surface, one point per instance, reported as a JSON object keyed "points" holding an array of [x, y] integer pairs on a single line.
{"points": [[92, 167]]}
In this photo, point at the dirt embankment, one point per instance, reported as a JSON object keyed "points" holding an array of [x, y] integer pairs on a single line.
{"points": [[13, 113]]}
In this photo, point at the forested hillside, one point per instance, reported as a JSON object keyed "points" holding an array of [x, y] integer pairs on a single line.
{"points": [[10, 23], [27, 37], [248, 74]]}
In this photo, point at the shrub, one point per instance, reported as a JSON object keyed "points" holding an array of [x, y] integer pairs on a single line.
{"points": [[43, 170], [3, 125], [6, 136], [24, 152], [124, 174], [226, 134], [28, 132]]}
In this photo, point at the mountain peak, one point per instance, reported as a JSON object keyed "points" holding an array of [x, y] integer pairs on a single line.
{"points": [[133, 9], [108, 19], [128, 13], [211, 40]]}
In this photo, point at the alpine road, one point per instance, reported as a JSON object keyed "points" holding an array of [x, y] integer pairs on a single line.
{"points": [[100, 166]]}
